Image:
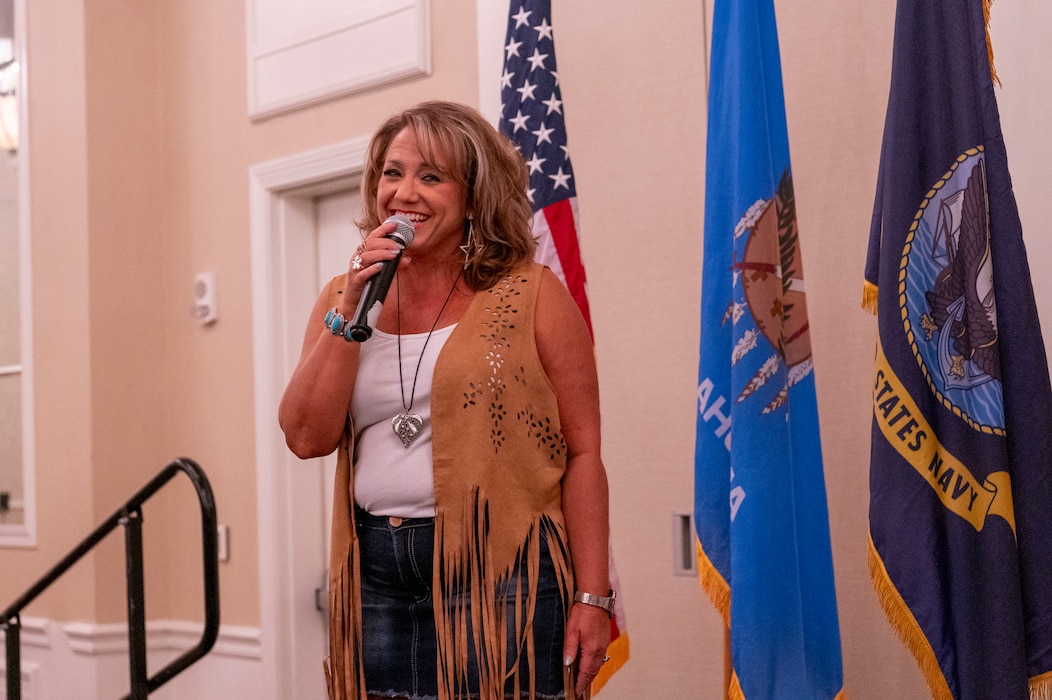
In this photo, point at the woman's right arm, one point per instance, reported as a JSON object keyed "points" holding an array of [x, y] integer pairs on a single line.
{"points": [[313, 410]]}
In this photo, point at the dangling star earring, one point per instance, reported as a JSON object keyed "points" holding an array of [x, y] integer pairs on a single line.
{"points": [[470, 241]]}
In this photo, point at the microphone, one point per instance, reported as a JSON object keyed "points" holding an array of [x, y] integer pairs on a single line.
{"points": [[376, 288]]}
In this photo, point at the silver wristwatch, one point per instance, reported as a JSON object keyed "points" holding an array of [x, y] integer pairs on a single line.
{"points": [[599, 601]]}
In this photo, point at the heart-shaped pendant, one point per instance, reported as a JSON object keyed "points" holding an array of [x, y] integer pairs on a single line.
{"points": [[407, 426]]}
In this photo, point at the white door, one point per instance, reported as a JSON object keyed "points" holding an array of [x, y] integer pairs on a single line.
{"points": [[337, 238]]}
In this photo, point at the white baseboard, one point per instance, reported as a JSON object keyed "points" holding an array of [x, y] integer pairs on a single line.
{"points": [[61, 660]]}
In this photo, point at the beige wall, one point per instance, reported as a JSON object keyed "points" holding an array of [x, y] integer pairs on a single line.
{"points": [[638, 153], [836, 67], [140, 149]]}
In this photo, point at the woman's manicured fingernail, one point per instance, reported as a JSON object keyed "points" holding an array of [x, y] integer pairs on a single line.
{"points": [[567, 660]]}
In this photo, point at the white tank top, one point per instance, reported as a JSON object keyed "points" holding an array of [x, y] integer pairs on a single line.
{"points": [[390, 478]]}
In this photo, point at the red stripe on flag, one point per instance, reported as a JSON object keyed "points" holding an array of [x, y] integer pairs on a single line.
{"points": [[564, 234]]}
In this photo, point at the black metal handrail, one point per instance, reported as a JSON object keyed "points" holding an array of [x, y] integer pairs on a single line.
{"points": [[130, 516]]}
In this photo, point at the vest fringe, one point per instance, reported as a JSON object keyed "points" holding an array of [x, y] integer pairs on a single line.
{"points": [[470, 566], [344, 673]]}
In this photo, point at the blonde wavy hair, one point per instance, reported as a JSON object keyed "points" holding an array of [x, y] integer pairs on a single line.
{"points": [[483, 160]]}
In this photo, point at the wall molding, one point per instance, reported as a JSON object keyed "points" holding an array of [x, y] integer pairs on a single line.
{"points": [[94, 639], [89, 660]]}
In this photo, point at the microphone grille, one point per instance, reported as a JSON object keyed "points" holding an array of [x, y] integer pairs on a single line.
{"points": [[403, 228]]}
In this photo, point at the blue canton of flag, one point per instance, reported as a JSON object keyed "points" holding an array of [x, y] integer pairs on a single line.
{"points": [[532, 116], [531, 103], [760, 505]]}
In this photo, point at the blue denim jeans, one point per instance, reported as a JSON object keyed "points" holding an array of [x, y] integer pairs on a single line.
{"points": [[399, 641]]}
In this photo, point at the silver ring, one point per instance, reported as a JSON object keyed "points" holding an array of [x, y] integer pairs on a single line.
{"points": [[356, 262], [605, 659]]}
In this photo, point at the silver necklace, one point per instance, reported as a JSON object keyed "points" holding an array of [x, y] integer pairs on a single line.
{"points": [[406, 425]]}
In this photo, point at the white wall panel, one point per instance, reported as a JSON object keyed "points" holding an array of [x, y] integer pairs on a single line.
{"points": [[313, 50]]}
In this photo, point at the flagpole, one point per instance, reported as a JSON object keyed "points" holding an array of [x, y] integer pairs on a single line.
{"points": [[727, 666]]}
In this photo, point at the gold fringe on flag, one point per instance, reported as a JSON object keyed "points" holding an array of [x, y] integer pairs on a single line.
{"points": [[989, 43], [735, 691], [720, 594], [714, 585], [905, 625], [869, 297], [1041, 687]]}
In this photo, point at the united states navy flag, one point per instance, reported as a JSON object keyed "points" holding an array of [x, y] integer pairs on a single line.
{"points": [[532, 116], [760, 506], [961, 466]]}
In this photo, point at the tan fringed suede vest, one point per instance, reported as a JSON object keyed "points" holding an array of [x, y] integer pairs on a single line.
{"points": [[499, 458]]}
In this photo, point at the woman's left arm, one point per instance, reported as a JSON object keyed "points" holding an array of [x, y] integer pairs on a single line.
{"points": [[565, 349]]}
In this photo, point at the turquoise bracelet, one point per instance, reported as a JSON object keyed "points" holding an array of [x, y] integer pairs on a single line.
{"points": [[338, 325]]}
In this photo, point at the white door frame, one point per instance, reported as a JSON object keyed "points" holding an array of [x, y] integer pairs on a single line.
{"points": [[281, 194]]}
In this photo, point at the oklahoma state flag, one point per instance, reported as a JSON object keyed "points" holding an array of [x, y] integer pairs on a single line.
{"points": [[961, 466], [760, 502]]}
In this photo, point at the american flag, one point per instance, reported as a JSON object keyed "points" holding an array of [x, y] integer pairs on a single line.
{"points": [[532, 116]]}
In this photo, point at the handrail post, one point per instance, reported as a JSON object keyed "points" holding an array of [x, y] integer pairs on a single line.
{"points": [[130, 516], [132, 522], [13, 645]]}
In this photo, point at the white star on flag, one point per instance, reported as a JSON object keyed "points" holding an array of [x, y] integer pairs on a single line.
{"points": [[537, 59], [561, 179], [527, 91], [519, 121], [523, 18], [535, 164], [544, 135]]}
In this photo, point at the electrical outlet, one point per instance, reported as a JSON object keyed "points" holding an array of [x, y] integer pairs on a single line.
{"points": [[204, 308], [684, 551], [223, 542]]}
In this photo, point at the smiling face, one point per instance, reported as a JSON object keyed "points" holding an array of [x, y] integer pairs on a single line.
{"points": [[424, 190]]}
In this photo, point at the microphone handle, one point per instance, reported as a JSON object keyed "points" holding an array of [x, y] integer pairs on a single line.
{"points": [[372, 300]]}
